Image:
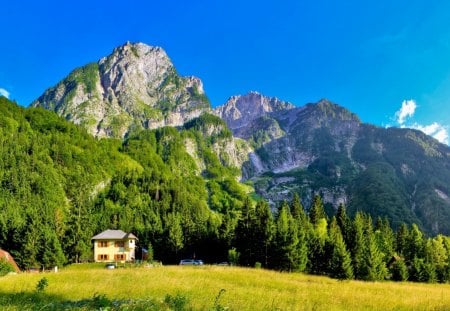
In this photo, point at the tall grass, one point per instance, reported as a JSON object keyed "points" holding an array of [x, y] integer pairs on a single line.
{"points": [[239, 288]]}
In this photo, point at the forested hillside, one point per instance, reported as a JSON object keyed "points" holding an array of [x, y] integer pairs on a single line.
{"points": [[60, 186]]}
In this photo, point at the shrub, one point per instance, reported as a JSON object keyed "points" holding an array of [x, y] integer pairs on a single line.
{"points": [[399, 271], [5, 267], [233, 256], [41, 285]]}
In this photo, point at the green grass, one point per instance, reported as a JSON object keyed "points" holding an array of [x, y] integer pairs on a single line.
{"points": [[198, 287]]}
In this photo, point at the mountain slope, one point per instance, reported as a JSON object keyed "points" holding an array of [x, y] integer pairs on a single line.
{"points": [[401, 174], [60, 185], [135, 87], [279, 147]]}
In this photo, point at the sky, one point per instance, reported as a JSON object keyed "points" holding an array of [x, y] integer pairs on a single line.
{"points": [[387, 61]]}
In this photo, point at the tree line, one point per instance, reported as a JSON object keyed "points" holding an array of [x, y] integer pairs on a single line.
{"points": [[342, 247], [59, 186]]}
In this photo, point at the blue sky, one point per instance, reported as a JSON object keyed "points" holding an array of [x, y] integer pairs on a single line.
{"points": [[372, 57]]}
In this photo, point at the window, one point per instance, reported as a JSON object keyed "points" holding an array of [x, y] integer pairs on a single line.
{"points": [[119, 244], [102, 244], [103, 257], [119, 257]]}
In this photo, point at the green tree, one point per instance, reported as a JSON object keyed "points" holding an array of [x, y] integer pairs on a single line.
{"points": [[174, 232], [415, 244], [399, 270], [345, 225], [359, 244], [286, 240], [245, 234], [340, 265], [374, 267], [297, 210], [264, 232], [317, 211], [401, 240]]}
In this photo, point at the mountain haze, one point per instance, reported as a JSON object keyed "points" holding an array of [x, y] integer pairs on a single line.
{"points": [[277, 147]]}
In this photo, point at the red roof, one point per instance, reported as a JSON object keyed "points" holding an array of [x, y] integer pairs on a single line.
{"points": [[10, 259]]}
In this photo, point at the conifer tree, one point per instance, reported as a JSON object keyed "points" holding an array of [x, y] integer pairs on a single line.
{"points": [[317, 211], [340, 265], [401, 240], [436, 255], [245, 235], [345, 225], [374, 267], [399, 270], [286, 240], [359, 244], [384, 237], [415, 245], [297, 210], [264, 232]]}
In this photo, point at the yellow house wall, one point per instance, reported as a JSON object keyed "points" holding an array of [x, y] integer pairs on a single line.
{"points": [[111, 250]]}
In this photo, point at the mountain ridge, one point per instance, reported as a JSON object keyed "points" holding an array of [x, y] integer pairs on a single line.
{"points": [[280, 148], [135, 87]]}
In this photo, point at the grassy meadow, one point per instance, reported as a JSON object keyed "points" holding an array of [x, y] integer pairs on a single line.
{"points": [[198, 288]]}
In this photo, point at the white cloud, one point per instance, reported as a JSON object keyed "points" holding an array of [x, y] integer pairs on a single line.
{"points": [[436, 130], [407, 110], [4, 92]]}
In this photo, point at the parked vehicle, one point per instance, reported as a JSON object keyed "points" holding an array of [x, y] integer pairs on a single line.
{"points": [[191, 262]]}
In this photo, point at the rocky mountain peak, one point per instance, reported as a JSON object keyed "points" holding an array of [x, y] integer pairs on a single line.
{"points": [[136, 86], [241, 110], [332, 110]]}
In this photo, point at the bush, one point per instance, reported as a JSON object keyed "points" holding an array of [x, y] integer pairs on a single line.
{"points": [[41, 285], [399, 271], [177, 303], [233, 257], [5, 267]]}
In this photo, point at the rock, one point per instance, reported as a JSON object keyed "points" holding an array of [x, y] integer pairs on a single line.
{"points": [[135, 87]]}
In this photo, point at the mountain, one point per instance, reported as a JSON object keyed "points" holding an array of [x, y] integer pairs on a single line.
{"points": [[135, 87], [277, 147], [401, 174]]}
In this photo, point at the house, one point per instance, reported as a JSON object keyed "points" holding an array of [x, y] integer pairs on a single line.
{"points": [[114, 245], [10, 259]]}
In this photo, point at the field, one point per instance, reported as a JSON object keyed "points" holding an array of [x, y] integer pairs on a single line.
{"points": [[198, 288]]}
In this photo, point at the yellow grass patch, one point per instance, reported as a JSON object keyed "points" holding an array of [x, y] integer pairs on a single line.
{"points": [[245, 289]]}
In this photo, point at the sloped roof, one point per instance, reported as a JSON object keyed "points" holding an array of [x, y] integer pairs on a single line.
{"points": [[114, 235], [10, 259]]}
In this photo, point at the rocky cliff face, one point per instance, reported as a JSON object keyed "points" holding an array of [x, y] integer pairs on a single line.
{"points": [[135, 87], [324, 148], [239, 111]]}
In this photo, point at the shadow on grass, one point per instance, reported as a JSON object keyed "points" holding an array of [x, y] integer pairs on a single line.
{"points": [[44, 301]]}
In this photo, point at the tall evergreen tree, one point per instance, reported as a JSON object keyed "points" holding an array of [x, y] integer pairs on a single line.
{"points": [[245, 234], [359, 244], [385, 238], [317, 211], [340, 265], [401, 240], [415, 244], [286, 240], [345, 225], [264, 232], [297, 210]]}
